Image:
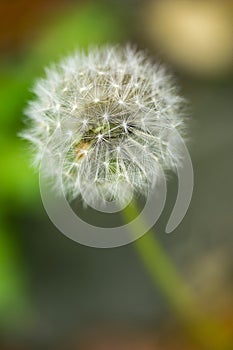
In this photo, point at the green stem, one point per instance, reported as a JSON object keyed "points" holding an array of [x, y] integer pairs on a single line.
{"points": [[164, 275]]}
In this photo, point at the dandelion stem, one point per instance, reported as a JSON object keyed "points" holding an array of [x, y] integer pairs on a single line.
{"points": [[208, 333]]}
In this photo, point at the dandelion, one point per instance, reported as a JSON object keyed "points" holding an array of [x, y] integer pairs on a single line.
{"points": [[105, 118]]}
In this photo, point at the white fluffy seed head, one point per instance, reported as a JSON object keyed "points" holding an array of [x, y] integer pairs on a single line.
{"points": [[105, 118]]}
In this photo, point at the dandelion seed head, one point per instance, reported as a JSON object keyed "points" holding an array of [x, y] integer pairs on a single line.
{"points": [[108, 115]]}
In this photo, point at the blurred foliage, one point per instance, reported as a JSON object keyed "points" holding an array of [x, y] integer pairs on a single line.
{"points": [[13, 303], [19, 185], [93, 24]]}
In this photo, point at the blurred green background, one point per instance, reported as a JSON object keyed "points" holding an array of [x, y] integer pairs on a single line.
{"points": [[55, 293]]}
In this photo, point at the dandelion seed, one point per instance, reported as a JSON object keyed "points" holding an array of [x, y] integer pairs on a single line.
{"points": [[74, 107], [82, 89], [99, 137], [124, 124], [113, 141]]}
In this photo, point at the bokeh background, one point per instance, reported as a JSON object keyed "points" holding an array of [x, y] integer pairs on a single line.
{"points": [[57, 294]]}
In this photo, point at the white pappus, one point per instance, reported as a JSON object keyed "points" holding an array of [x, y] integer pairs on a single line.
{"points": [[104, 118]]}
